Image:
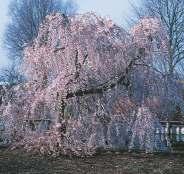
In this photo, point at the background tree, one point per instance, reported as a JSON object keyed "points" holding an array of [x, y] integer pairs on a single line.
{"points": [[11, 76], [167, 46], [171, 15], [26, 16]]}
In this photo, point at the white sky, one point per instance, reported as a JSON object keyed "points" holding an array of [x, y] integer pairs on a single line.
{"points": [[3, 22], [117, 10]]}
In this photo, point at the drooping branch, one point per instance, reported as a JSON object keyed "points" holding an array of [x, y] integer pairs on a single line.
{"points": [[122, 79]]}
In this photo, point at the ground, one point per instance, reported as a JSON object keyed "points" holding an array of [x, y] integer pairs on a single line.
{"points": [[107, 163]]}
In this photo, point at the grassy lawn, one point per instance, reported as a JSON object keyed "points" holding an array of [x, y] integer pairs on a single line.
{"points": [[107, 163]]}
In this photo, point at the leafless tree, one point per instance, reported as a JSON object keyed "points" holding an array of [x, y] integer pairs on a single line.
{"points": [[168, 53], [171, 15], [11, 76], [26, 16]]}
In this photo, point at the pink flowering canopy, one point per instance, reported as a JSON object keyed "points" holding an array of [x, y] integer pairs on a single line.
{"points": [[91, 83]]}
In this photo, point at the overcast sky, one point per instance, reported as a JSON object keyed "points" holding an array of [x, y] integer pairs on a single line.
{"points": [[118, 10], [3, 22]]}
